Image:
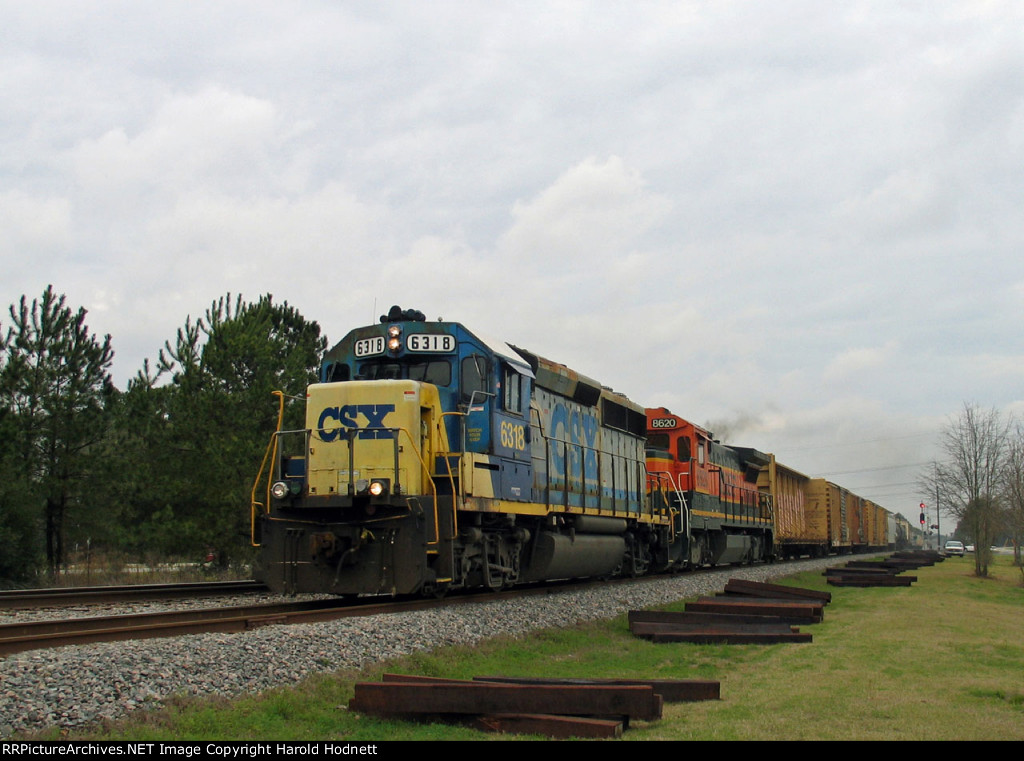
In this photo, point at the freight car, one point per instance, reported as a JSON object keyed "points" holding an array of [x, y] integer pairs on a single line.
{"points": [[832, 503], [905, 535], [435, 458]]}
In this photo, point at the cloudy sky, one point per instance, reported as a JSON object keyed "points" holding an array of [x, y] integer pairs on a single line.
{"points": [[800, 222]]}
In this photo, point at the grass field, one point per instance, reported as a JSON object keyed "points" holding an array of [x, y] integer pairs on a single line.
{"points": [[941, 660]]}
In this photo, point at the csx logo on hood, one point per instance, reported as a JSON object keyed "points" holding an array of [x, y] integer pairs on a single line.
{"points": [[348, 417]]}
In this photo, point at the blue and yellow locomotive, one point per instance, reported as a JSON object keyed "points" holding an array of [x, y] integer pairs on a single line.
{"points": [[434, 458]]}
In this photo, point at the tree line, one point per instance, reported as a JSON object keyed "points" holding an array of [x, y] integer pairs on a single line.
{"points": [[164, 468], [981, 480], [160, 469]]}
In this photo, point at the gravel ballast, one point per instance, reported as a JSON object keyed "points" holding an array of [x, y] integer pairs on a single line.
{"points": [[78, 685]]}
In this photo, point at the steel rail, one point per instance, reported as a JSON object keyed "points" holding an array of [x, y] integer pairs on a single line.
{"points": [[35, 635], [63, 596], [19, 637]]}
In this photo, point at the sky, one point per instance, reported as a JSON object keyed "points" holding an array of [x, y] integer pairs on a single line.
{"points": [[798, 223]]}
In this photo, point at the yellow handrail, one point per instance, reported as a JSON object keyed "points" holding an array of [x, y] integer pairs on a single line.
{"points": [[270, 455]]}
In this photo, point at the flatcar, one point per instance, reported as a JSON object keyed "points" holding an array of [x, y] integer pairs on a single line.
{"points": [[436, 458]]}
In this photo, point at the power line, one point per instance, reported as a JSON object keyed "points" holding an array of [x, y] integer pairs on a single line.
{"points": [[915, 494], [859, 443], [872, 470], [882, 486]]}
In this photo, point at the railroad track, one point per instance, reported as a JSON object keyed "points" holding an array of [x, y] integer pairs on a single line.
{"points": [[57, 597], [34, 635], [37, 635]]}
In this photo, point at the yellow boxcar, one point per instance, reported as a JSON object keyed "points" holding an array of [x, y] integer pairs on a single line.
{"points": [[829, 500], [798, 530], [877, 525]]}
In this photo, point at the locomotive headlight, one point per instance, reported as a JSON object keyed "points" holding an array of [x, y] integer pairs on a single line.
{"points": [[279, 490], [375, 488], [394, 338]]}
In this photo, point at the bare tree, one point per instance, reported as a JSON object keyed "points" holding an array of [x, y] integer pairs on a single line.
{"points": [[1013, 491], [970, 480]]}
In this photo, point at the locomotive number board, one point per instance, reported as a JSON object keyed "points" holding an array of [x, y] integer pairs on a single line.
{"points": [[663, 422], [432, 342], [367, 347]]}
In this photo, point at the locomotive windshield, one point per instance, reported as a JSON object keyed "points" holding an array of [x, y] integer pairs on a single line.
{"points": [[658, 441], [662, 444], [436, 371]]}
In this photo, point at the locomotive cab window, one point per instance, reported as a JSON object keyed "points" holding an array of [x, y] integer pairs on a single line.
{"points": [[683, 446], [438, 371], [658, 443], [379, 371], [474, 376], [513, 387], [336, 372]]}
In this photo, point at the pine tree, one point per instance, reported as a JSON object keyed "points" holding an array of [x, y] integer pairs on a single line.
{"points": [[208, 414], [55, 388]]}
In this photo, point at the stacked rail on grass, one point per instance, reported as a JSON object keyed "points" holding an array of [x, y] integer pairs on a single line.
{"points": [[747, 612], [552, 707], [881, 573], [887, 573], [850, 576], [920, 557]]}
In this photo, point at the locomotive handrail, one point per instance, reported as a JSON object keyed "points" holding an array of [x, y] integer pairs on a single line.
{"points": [[447, 455], [459, 491], [734, 494], [602, 458], [535, 413], [664, 475], [428, 479], [270, 454], [275, 472]]}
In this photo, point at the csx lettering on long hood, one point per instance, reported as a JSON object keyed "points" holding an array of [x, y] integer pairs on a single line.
{"points": [[348, 416]]}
